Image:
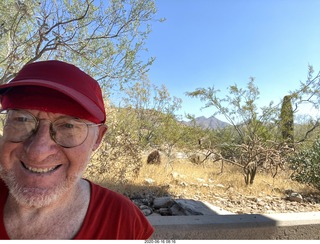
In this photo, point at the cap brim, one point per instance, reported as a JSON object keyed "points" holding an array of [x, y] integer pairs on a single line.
{"points": [[84, 101]]}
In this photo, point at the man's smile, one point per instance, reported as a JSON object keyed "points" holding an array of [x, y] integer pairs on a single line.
{"points": [[40, 170]]}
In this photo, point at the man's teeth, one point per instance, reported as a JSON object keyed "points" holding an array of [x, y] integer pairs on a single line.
{"points": [[39, 170]]}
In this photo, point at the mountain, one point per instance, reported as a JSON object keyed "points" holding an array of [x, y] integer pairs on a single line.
{"points": [[209, 123]]}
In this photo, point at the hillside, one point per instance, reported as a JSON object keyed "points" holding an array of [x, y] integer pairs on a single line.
{"points": [[208, 123]]}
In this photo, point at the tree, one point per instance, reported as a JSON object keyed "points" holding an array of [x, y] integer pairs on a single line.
{"points": [[148, 107], [240, 109], [254, 141], [256, 131], [168, 135], [118, 160], [308, 93], [101, 37]]}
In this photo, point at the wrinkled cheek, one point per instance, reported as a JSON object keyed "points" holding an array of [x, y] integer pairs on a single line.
{"points": [[6, 164], [7, 158], [77, 168]]}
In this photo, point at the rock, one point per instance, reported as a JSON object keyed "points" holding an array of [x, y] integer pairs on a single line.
{"points": [[163, 202], [200, 180], [192, 207], [184, 184], [165, 211], [175, 175], [295, 197], [288, 192], [223, 203], [310, 200], [252, 198], [146, 210], [261, 203], [270, 212], [149, 181], [220, 185], [177, 210], [181, 155]]}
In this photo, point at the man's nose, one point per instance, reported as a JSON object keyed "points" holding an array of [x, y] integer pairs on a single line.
{"points": [[40, 145]]}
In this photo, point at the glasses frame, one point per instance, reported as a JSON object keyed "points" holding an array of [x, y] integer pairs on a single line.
{"points": [[51, 131]]}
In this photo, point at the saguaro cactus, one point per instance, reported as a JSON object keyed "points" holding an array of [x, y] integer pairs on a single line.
{"points": [[286, 121]]}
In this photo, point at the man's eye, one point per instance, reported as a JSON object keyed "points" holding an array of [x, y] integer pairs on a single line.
{"points": [[21, 119], [67, 126]]}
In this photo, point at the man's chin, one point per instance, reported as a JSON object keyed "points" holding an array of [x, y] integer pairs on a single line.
{"points": [[37, 197], [33, 196]]}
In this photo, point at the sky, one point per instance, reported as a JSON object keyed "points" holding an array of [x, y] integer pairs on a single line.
{"points": [[205, 43]]}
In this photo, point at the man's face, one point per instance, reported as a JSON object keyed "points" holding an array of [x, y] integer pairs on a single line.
{"points": [[38, 171]]}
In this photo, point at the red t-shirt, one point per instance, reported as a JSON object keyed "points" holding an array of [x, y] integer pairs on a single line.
{"points": [[109, 216]]}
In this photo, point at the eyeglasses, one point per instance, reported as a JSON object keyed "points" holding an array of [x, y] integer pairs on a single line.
{"points": [[19, 125]]}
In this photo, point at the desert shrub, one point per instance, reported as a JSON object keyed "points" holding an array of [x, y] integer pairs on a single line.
{"points": [[118, 159], [305, 165]]}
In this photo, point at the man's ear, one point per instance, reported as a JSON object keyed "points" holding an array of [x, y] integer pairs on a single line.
{"points": [[102, 130]]}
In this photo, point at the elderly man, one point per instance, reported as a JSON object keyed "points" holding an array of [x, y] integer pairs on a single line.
{"points": [[53, 119]]}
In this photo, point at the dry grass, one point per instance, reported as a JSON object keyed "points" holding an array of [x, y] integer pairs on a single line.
{"points": [[185, 180]]}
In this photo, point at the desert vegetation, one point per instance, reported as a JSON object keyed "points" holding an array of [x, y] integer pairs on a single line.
{"points": [[227, 189], [266, 142], [255, 156], [187, 180]]}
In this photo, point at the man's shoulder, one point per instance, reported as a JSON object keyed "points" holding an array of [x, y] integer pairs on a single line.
{"points": [[97, 189], [3, 192], [111, 204], [103, 195], [113, 216], [3, 186]]}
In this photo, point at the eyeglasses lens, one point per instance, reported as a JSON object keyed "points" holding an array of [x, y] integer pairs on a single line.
{"points": [[19, 125]]}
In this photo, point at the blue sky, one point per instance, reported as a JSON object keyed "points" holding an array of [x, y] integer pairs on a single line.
{"points": [[205, 43]]}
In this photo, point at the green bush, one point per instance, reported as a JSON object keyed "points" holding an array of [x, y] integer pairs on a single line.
{"points": [[305, 165]]}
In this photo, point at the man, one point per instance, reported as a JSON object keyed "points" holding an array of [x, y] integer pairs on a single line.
{"points": [[54, 119]]}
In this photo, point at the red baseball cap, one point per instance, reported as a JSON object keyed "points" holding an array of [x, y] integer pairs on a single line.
{"points": [[55, 86]]}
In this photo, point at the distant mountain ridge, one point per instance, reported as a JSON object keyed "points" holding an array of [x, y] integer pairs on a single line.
{"points": [[209, 123]]}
